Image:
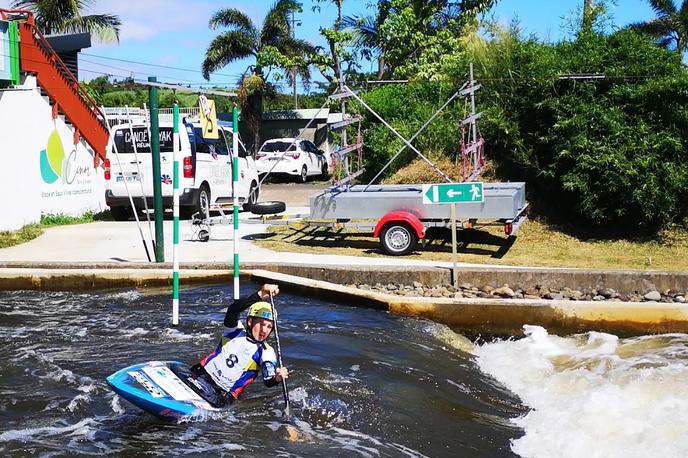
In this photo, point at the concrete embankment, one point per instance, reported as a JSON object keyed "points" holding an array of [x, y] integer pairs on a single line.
{"points": [[491, 316], [623, 281], [504, 317]]}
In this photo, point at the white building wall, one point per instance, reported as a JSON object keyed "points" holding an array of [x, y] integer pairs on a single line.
{"points": [[41, 170]]}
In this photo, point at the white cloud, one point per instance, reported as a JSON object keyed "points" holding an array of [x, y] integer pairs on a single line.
{"points": [[132, 30], [144, 20]]}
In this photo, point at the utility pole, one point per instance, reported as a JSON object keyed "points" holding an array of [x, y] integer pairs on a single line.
{"points": [[294, 23]]}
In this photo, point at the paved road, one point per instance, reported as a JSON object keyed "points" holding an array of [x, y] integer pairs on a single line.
{"points": [[120, 241], [293, 194]]}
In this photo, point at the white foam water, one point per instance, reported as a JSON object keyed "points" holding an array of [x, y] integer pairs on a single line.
{"points": [[595, 395], [126, 296], [170, 334], [116, 405], [84, 428]]}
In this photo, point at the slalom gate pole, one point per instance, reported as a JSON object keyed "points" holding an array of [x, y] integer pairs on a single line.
{"points": [[175, 213], [285, 392], [235, 197]]}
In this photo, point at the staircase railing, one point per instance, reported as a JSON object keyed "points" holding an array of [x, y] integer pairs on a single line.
{"points": [[37, 56]]}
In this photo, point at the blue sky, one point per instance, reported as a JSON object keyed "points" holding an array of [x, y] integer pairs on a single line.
{"points": [[174, 33]]}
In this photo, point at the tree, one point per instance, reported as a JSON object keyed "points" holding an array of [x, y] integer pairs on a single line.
{"points": [[65, 16], [670, 27], [273, 46], [414, 31], [330, 62]]}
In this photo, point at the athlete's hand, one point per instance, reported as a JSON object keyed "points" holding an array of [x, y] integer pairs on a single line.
{"points": [[267, 289], [281, 373]]}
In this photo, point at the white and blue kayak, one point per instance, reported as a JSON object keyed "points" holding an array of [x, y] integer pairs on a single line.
{"points": [[156, 388]]}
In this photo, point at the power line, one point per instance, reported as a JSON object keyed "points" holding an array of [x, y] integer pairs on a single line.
{"points": [[157, 65], [134, 71]]}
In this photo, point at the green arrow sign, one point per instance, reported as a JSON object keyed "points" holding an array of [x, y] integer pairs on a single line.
{"points": [[450, 193]]}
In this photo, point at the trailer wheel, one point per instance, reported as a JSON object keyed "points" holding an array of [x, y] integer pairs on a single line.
{"points": [[268, 208], [398, 239]]}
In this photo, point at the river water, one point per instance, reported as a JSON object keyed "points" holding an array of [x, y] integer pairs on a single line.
{"points": [[364, 383]]}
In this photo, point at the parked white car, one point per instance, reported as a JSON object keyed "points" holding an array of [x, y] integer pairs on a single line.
{"points": [[205, 170], [296, 158]]}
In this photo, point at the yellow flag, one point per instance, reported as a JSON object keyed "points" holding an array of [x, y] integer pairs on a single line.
{"points": [[208, 118]]}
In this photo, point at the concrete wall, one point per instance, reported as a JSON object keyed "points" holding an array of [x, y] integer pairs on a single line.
{"points": [[624, 282], [41, 170], [474, 317]]}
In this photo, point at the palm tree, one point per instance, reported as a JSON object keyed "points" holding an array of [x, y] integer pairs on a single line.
{"points": [[367, 35], [271, 46], [64, 16], [670, 27]]}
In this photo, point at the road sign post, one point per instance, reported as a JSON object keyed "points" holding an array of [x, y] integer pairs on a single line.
{"points": [[453, 193], [455, 273]]}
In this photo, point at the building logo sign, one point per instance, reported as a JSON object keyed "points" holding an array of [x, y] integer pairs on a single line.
{"points": [[55, 165]]}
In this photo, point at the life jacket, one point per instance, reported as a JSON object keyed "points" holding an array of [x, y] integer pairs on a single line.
{"points": [[238, 358]]}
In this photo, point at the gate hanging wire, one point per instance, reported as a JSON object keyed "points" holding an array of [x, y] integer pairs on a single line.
{"points": [[140, 175], [126, 187]]}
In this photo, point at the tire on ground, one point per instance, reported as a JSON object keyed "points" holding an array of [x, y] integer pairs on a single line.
{"points": [[268, 208], [252, 197], [398, 239]]}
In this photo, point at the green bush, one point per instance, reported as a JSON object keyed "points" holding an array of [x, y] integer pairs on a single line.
{"points": [[610, 151], [407, 108], [60, 219]]}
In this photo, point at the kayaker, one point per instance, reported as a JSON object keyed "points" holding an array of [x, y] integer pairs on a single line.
{"points": [[242, 352]]}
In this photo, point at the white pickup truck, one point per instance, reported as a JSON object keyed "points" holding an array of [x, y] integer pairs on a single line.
{"points": [[205, 175]]}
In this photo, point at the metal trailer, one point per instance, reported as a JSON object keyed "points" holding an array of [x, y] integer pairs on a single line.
{"points": [[396, 213]]}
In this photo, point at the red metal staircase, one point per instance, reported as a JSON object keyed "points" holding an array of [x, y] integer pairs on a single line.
{"points": [[38, 57]]}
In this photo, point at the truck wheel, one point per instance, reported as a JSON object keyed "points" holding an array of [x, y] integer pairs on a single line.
{"points": [[252, 197], [268, 208], [120, 213], [203, 205], [200, 208], [398, 239]]}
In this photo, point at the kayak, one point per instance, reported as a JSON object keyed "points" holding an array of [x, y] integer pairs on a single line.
{"points": [[156, 387]]}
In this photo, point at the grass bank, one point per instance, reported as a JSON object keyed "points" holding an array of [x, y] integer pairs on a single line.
{"points": [[537, 245], [31, 231]]}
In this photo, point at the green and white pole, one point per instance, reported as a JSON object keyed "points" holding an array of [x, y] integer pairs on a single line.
{"points": [[175, 213], [235, 196]]}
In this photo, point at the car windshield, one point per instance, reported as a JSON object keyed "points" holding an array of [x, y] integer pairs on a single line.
{"points": [[278, 147]]}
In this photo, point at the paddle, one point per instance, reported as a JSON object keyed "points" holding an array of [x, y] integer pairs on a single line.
{"points": [[279, 359]]}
